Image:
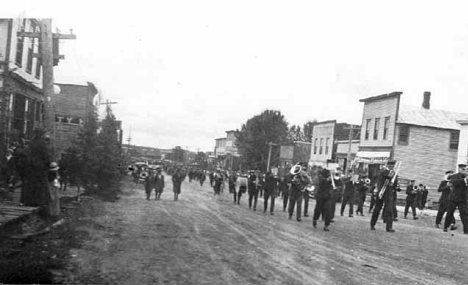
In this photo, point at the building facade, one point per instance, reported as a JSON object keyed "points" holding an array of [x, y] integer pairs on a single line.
{"points": [[425, 141], [71, 109], [21, 97], [325, 141]]}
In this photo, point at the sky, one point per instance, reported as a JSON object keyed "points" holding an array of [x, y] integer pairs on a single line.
{"points": [[184, 72]]}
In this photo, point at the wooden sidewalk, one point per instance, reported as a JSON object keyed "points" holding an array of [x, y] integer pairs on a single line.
{"points": [[10, 212]]}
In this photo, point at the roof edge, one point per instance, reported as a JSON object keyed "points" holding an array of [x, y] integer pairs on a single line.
{"points": [[379, 97]]}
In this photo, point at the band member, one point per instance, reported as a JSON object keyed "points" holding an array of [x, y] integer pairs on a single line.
{"points": [[384, 183], [323, 194], [424, 193], [232, 183], [284, 185], [211, 178], [336, 193], [348, 195], [158, 182], [149, 183], [242, 184], [444, 187], [298, 183], [361, 189], [271, 187], [218, 182], [458, 198], [202, 177], [177, 179], [411, 193], [253, 190]]}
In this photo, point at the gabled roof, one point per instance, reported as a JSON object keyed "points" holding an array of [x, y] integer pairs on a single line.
{"points": [[419, 116]]}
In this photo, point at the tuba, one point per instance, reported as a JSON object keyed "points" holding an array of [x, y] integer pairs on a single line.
{"points": [[367, 181], [448, 177]]}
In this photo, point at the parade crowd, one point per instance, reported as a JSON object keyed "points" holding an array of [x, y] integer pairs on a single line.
{"points": [[328, 188]]}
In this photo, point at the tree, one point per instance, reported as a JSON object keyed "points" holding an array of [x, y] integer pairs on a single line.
{"points": [[308, 130], [256, 133], [108, 157], [295, 134], [178, 154], [201, 159]]}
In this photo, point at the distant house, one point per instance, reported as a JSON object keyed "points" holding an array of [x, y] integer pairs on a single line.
{"points": [[293, 153], [426, 141], [71, 109], [226, 151], [326, 137]]}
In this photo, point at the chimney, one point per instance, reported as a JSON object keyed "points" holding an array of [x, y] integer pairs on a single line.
{"points": [[427, 100]]}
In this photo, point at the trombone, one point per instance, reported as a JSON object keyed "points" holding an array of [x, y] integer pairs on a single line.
{"points": [[387, 181]]}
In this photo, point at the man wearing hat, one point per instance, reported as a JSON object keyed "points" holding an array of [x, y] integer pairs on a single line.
{"points": [[458, 198], [385, 178], [445, 188], [298, 183], [158, 182], [411, 193], [323, 197], [149, 183], [253, 190]]}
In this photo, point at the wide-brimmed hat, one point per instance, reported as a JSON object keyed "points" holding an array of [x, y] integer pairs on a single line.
{"points": [[53, 166], [296, 169]]}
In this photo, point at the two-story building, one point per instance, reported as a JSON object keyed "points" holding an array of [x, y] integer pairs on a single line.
{"points": [[424, 140], [326, 137], [21, 97], [226, 151], [71, 110]]}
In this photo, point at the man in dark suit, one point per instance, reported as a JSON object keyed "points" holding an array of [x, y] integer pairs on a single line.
{"points": [[458, 198], [348, 195], [271, 187], [253, 190], [149, 183], [158, 182], [323, 198], [411, 194], [361, 190], [444, 187], [385, 178]]}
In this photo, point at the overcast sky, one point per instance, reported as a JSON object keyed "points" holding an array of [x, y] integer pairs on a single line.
{"points": [[184, 72]]}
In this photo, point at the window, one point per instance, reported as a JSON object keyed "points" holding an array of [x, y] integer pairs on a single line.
{"points": [[321, 146], [315, 147], [403, 137], [376, 128], [19, 51], [326, 145], [368, 122], [30, 61], [454, 138], [385, 128]]}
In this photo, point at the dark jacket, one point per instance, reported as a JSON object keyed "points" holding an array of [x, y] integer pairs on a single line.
{"points": [[459, 188], [159, 182], [324, 189], [445, 189], [391, 187], [411, 194], [349, 188], [271, 184]]}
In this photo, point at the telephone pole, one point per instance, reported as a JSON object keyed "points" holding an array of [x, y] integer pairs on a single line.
{"points": [[269, 155], [350, 142], [49, 55], [108, 103]]}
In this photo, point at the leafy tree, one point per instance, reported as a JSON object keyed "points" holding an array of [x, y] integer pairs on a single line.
{"points": [[295, 134], [308, 130], [178, 154], [201, 159], [256, 133]]}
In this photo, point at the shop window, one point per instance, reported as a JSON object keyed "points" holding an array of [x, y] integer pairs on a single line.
{"points": [[315, 147], [321, 146], [326, 145], [454, 139]]}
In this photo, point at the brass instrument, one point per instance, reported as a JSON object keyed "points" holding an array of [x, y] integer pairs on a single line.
{"points": [[367, 181], [395, 171]]}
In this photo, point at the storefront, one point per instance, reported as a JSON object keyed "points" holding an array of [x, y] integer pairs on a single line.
{"points": [[370, 162]]}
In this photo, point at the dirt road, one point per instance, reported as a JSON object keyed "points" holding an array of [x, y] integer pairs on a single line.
{"points": [[207, 239]]}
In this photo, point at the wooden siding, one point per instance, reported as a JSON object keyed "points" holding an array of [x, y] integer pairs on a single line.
{"points": [[426, 157], [322, 131], [382, 108]]}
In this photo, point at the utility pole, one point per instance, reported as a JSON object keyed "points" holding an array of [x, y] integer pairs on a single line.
{"points": [[350, 142], [269, 155], [108, 103]]}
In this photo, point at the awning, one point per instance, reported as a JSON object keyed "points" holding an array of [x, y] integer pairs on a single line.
{"points": [[372, 157]]}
